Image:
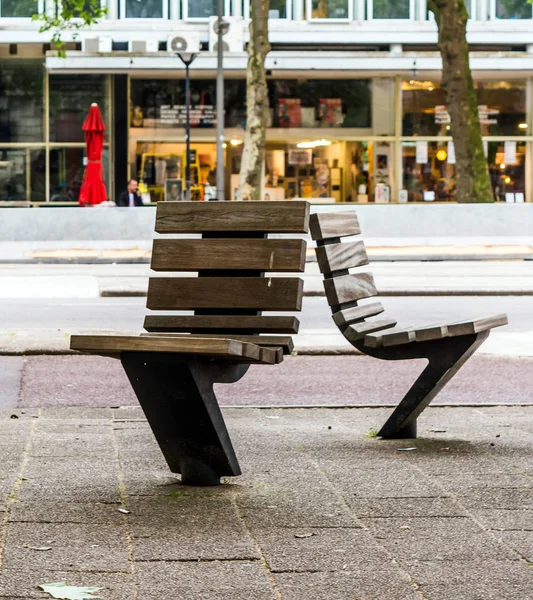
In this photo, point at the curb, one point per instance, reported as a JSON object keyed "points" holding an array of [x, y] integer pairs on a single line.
{"points": [[116, 293]]}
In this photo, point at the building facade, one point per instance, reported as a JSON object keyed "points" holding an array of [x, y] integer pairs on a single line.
{"points": [[357, 113]]}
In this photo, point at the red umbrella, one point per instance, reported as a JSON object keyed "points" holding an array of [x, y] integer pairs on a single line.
{"points": [[93, 187]]}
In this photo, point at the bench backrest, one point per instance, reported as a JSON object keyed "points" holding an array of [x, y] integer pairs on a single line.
{"points": [[344, 290], [230, 290]]}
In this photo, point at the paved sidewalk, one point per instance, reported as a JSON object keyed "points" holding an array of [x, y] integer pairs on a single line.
{"points": [[321, 512], [446, 278]]}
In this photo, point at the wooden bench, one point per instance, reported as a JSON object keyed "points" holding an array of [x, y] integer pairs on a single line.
{"points": [[447, 347], [174, 366]]}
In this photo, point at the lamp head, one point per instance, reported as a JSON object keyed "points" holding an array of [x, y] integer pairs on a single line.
{"points": [[187, 57]]}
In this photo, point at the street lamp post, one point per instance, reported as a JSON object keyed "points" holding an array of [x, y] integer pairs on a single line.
{"points": [[187, 59]]}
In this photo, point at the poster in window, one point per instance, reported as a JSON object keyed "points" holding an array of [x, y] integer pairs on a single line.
{"points": [[298, 156], [421, 152], [289, 112], [173, 190], [330, 112]]}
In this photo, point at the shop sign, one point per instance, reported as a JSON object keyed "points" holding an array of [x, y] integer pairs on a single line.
{"points": [[442, 116], [202, 115], [300, 157], [421, 152], [487, 116]]}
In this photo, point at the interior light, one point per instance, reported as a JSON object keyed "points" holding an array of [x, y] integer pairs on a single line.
{"points": [[503, 166], [522, 126], [431, 89], [224, 145], [448, 128], [313, 143], [507, 179], [235, 142], [442, 155]]}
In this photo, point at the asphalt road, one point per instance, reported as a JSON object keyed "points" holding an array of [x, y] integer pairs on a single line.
{"points": [[128, 313]]}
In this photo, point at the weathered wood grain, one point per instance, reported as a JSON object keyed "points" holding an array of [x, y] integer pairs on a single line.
{"points": [[325, 226], [433, 332], [358, 331], [258, 293], [242, 324], [337, 257], [281, 255], [348, 288], [357, 313], [477, 325], [267, 217], [217, 347], [282, 341]]}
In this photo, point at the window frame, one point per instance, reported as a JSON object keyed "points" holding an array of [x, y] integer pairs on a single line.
{"points": [[124, 17], [185, 12], [493, 17], [370, 13], [311, 19], [39, 10]]}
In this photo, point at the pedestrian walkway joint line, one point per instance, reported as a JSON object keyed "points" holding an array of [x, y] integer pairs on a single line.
{"points": [[455, 498], [344, 503], [13, 492], [257, 546], [123, 498]]}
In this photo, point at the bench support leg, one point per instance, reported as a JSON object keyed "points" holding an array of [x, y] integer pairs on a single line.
{"points": [[177, 397], [448, 357]]}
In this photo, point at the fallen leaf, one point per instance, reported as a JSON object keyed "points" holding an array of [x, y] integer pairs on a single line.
{"points": [[124, 511], [39, 548], [405, 527], [69, 592], [406, 449], [304, 535], [438, 430]]}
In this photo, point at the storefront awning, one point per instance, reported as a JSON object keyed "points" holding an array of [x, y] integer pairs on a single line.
{"points": [[369, 63]]}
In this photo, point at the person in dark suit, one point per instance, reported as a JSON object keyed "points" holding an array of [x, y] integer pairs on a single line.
{"points": [[131, 196]]}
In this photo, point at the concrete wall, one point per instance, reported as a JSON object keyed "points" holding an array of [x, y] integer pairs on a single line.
{"points": [[390, 224]]}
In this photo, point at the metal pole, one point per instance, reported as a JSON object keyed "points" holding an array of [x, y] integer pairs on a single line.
{"points": [[220, 104], [187, 135]]}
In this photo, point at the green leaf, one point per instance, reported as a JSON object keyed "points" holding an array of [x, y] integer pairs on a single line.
{"points": [[68, 592]]}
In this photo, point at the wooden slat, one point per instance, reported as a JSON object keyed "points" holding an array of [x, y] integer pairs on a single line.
{"points": [[282, 341], [258, 293], [348, 288], [337, 257], [220, 348], [199, 217], [218, 323], [281, 255], [357, 332], [357, 313], [325, 226], [476, 326], [434, 332]]}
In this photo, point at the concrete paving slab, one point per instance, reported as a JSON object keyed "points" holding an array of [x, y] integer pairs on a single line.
{"points": [[362, 584], [99, 547], [213, 580], [24, 583], [10, 377], [311, 517]]}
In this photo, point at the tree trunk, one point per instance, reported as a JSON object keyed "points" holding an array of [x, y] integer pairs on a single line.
{"points": [[253, 155], [473, 180]]}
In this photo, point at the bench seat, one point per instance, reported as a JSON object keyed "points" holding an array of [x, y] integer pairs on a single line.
{"points": [[215, 347], [409, 335]]}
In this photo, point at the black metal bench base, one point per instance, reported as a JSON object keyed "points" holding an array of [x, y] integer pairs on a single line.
{"points": [[176, 394], [446, 356]]}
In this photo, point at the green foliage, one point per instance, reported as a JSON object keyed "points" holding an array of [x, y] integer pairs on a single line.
{"points": [[68, 15], [371, 433]]}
